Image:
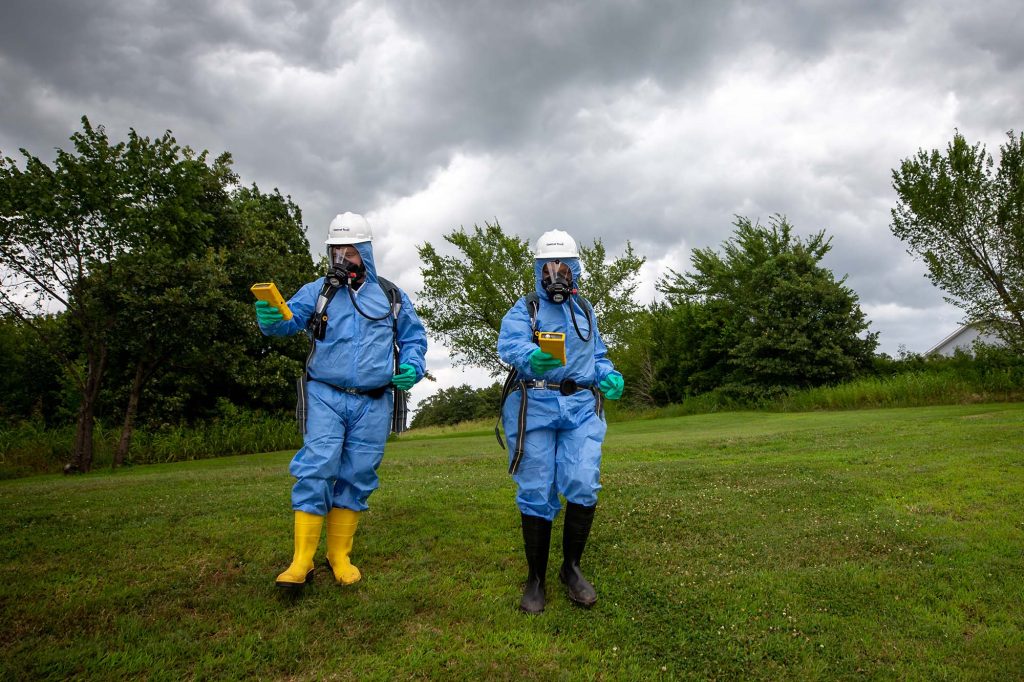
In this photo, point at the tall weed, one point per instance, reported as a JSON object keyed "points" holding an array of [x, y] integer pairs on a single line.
{"points": [[28, 448], [915, 389]]}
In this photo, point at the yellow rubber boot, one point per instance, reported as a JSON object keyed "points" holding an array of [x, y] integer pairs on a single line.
{"points": [[307, 537], [341, 528]]}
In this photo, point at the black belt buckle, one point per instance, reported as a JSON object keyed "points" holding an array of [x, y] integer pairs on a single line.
{"points": [[376, 393], [567, 387]]}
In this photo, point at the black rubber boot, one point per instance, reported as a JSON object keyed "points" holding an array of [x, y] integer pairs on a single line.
{"points": [[537, 541], [578, 520]]}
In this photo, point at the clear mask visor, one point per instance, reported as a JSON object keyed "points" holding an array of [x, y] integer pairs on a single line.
{"points": [[554, 271], [344, 255]]}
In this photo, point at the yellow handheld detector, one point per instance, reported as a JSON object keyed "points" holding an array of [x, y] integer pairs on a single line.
{"points": [[267, 291], [552, 343]]}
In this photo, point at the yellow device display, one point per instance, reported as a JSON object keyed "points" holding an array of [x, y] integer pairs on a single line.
{"points": [[267, 291], [552, 343]]}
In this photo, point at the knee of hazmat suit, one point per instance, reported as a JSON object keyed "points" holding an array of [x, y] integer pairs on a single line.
{"points": [[345, 431], [568, 462]]}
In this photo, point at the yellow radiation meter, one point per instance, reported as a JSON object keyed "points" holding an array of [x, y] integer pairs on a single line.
{"points": [[267, 291], [552, 343]]}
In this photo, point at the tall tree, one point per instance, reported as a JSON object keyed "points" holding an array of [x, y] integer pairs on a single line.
{"points": [[761, 317], [610, 285], [966, 221], [465, 296], [635, 355], [62, 229], [185, 316], [169, 310], [30, 382], [266, 242]]}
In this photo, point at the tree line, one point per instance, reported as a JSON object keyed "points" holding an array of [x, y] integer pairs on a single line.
{"points": [[125, 268], [759, 318]]}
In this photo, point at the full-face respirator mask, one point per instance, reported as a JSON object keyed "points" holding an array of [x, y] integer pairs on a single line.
{"points": [[556, 279], [345, 270]]}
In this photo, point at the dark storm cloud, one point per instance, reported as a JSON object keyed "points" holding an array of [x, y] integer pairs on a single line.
{"points": [[652, 121], [118, 47], [499, 67]]}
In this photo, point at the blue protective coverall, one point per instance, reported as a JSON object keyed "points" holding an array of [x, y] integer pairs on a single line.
{"points": [[562, 450], [345, 432]]}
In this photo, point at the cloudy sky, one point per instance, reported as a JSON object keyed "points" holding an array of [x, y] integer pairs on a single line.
{"points": [[655, 122]]}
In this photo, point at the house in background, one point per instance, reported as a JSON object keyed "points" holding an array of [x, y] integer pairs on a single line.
{"points": [[963, 338]]}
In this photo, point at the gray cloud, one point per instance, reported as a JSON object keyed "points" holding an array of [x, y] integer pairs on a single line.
{"points": [[655, 122]]}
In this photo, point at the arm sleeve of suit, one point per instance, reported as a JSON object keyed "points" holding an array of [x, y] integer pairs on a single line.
{"points": [[412, 339], [515, 340], [302, 305], [602, 365]]}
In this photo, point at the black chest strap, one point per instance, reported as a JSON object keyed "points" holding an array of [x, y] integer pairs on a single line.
{"points": [[317, 323]]}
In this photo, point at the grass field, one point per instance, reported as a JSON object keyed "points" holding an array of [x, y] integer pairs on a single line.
{"points": [[874, 544]]}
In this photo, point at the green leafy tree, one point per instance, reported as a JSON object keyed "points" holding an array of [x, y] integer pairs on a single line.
{"points": [[691, 348], [189, 332], [63, 227], [760, 317], [966, 222], [637, 353], [610, 285], [264, 242], [168, 292], [457, 404], [169, 310], [30, 382], [465, 296]]}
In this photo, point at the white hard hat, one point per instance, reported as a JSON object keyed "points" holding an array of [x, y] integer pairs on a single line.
{"points": [[349, 228], [556, 244]]}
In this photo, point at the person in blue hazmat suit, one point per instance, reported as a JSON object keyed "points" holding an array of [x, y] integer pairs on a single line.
{"points": [[357, 322], [553, 417]]}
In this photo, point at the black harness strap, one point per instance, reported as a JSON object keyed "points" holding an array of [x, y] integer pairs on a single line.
{"points": [[512, 383], [374, 393], [521, 433], [316, 325], [400, 412]]}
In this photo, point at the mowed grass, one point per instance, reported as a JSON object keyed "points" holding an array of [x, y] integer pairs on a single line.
{"points": [[866, 544]]}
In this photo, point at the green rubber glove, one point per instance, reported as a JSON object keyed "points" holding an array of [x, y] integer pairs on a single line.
{"points": [[541, 362], [406, 378], [612, 386], [267, 314]]}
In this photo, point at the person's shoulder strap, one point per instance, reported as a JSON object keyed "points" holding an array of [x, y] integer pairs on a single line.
{"points": [[391, 289], [533, 306], [316, 321], [392, 293], [399, 411]]}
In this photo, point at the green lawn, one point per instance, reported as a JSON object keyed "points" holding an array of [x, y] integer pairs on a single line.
{"points": [[864, 544]]}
